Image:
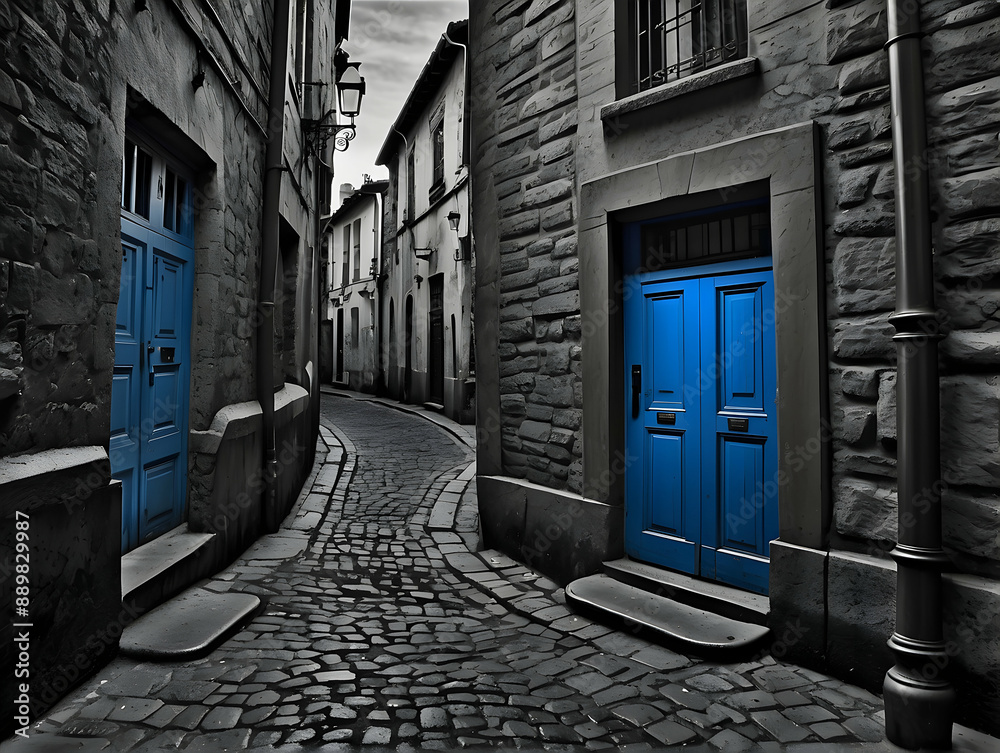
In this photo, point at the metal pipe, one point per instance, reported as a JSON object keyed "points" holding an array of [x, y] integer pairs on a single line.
{"points": [[273, 166], [919, 700]]}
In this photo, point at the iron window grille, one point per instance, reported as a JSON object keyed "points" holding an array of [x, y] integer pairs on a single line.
{"points": [[672, 39]]}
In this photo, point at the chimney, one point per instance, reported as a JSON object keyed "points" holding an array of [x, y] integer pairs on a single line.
{"points": [[346, 189]]}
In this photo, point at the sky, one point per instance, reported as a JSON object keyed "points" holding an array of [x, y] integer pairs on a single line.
{"points": [[392, 39]]}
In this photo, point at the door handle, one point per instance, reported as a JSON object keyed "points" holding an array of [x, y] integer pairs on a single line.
{"points": [[636, 388], [150, 350]]}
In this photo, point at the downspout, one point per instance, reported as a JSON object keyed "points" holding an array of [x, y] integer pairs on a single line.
{"points": [[466, 139], [379, 385], [919, 702], [269, 254]]}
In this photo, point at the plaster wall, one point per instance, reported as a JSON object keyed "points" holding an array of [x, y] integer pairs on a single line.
{"points": [[430, 229]]}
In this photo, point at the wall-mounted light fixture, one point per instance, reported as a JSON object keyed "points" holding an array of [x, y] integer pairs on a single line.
{"points": [[350, 91], [418, 279], [454, 219], [198, 79]]}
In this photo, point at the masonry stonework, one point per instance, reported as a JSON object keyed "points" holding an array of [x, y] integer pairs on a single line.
{"points": [[823, 66], [75, 77]]}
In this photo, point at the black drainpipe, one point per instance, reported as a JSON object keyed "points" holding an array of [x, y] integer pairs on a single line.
{"points": [[919, 701], [273, 166]]}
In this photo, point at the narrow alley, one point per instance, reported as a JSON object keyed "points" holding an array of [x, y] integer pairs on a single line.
{"points": [[383, 627]]}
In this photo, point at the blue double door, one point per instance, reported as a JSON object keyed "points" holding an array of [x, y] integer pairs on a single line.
{"points": [[701, 426], [150, 386]]}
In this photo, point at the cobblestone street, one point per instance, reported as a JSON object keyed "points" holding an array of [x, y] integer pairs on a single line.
{"points": [[383, 627]]}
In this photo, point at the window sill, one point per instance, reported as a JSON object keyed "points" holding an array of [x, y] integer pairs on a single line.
{"points": [[728, 72]]}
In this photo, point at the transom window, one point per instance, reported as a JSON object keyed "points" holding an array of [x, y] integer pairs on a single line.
{"points": [[153, 190], [738, 231], [137, 175], [671, 39]]}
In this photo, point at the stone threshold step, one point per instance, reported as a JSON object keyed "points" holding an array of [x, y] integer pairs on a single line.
{"points": [[188, 626], [163, 567], [436, 407], [710, 596], [692, 627]]}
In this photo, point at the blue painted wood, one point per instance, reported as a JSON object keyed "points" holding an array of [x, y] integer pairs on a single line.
{"points": [[150, 389], [125, 385], [740, 468], [702, 496]]}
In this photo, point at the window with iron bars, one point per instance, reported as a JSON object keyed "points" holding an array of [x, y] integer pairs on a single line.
{"points": [[672, 39]]}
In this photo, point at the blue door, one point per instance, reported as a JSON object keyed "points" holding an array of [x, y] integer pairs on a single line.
{"points": [[702, 492], [149, 394]]}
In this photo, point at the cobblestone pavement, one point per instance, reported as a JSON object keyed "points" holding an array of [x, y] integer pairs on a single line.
{"points": [[384, 628]]}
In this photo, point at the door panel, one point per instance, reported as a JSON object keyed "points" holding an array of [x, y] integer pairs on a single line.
{"points": [[436, 355], [150, 387], [703, 498], [741, 429], [665, 527], [123, 446]]}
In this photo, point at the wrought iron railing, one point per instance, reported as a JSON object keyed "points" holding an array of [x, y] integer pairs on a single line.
{"points": [[677, 38]]}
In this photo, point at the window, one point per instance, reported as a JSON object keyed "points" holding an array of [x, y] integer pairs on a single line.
{"points": [[137, 177], [176, 198], [411, 188], [437, 148], [738, 231], [355, 327], [357, 249], [346, 262], [671, 39]]}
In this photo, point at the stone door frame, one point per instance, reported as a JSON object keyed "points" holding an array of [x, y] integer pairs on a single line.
{"points": [[786, 159]]}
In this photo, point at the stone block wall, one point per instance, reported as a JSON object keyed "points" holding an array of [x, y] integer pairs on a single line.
{"points": [[527, 70], [963, 162], [57, 301], [71, 73]]}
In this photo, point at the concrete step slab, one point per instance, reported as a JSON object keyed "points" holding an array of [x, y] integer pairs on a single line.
{"points": [[730, 602], [695, 628], [188, 626], [165, 566]]}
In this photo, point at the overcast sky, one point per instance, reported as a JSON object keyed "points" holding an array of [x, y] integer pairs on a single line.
{"points": [[392, 39]]}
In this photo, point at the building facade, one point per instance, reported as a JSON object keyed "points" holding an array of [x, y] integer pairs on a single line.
{"points": [[352, 243], [425, 284], [686, 254], [158, 350]]}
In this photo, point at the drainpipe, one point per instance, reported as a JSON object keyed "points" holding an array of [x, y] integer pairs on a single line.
{"points": [[269, 253], [919, 701], [471, 279]]}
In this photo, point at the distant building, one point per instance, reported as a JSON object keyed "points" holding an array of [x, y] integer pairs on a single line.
{"points": [[686, 266], [425, 283], [352, 248], [159, 389]]}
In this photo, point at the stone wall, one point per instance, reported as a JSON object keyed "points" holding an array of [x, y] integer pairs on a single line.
{"points": [[542, 135], [57, 301], [964, 169], [527, 69], [196, 80]]}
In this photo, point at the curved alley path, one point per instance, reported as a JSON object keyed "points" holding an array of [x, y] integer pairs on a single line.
{"points": [[383, 628]]}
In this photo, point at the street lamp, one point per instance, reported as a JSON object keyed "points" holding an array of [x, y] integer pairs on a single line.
{"points": [[350, 90]]}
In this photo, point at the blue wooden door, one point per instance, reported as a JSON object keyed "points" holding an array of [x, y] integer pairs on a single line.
{"points": [[150, 387], [701, 438]]}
